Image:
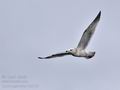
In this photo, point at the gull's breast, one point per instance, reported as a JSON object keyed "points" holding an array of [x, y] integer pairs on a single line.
{"points": [[80, 53]]}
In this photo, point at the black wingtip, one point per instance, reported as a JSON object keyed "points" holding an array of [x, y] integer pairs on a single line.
{"points": [[40, 58], [98, 16]]}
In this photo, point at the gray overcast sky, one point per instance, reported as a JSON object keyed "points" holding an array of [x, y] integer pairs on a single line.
{"points": [[32, 28]]}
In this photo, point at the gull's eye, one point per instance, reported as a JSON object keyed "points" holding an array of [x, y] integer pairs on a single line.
{"points": [[70, 49]]}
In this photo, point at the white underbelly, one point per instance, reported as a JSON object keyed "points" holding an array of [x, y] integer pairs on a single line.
{"points": [[80, 53]]}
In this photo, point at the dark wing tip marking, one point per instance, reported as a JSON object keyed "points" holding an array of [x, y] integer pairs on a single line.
{"points": [[45, 57], [95, 20], [40, 58], [98, 16]]}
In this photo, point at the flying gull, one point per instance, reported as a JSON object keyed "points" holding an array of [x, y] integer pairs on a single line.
{"points": [[80, 50]]}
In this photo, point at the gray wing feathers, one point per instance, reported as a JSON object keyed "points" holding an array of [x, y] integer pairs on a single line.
{"points": [[88, 33], [55, 55]]}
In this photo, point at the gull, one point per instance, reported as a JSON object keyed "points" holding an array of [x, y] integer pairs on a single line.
{"points": [[80, 50]]}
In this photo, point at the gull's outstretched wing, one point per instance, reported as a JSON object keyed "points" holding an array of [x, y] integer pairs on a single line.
{"points": [[55, 55], [88, 33]]}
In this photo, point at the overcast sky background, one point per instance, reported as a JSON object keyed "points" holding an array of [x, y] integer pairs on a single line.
{"points": [[32, 28]]}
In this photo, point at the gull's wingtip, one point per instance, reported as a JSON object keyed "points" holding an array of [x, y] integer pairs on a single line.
{"points": [[99, 14], [97, 17], [41, 58], [100, 11]]}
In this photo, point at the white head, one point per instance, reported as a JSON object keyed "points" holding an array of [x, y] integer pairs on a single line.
{"points": [[71, 51]]}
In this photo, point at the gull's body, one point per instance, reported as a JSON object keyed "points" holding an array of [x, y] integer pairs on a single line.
{"points": [[80, 50]]}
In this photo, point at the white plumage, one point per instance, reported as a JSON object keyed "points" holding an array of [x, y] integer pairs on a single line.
{"points": [[80, 50]]}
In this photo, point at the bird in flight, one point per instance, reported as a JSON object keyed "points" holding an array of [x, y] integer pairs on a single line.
{"points": [[80, 50]]}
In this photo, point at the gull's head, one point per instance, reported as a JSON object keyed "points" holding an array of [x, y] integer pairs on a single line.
{"points": [[71, 51]]}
